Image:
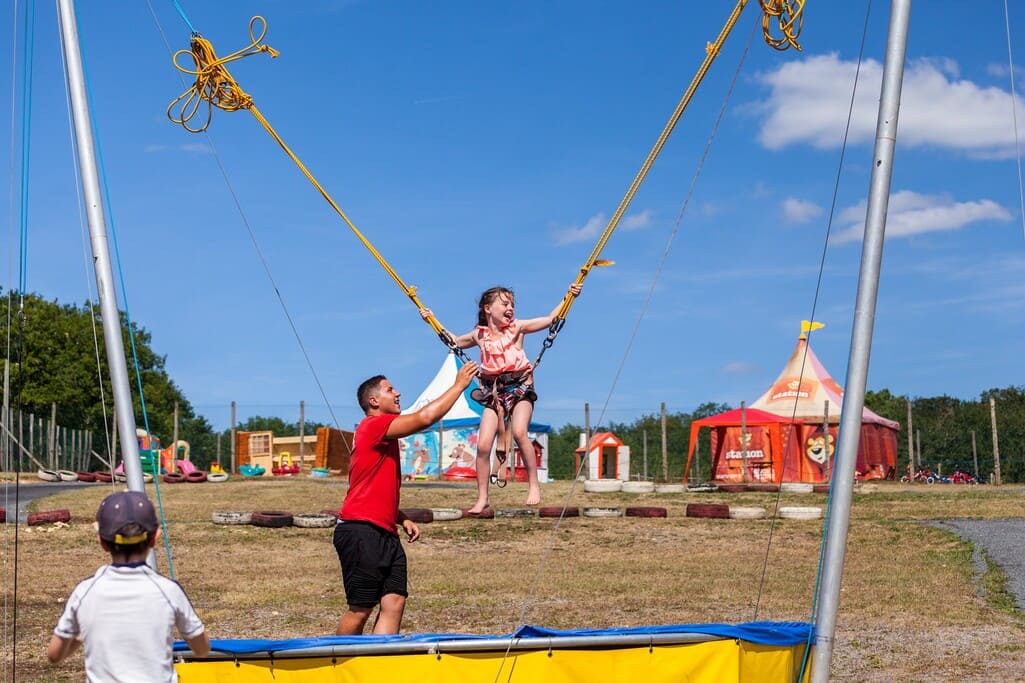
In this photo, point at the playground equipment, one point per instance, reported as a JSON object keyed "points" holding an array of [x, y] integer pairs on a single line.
{"points": [[286, 467]]}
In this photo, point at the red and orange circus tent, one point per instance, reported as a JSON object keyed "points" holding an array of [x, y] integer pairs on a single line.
{"points": [[786, 438]]}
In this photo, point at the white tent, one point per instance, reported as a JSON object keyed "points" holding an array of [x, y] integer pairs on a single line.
{"points": [[452, 442]]}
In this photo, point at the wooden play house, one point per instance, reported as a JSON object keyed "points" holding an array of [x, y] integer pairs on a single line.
{"points": [[607, 457]]}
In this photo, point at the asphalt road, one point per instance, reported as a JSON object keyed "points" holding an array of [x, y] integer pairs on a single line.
{"points": [[28, 492]]}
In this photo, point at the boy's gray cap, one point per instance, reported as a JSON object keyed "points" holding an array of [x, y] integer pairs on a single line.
{"points": [[118, 510]]}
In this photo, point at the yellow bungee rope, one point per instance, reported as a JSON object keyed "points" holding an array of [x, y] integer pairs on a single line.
{"points": [[789, 17], [216, 86]]}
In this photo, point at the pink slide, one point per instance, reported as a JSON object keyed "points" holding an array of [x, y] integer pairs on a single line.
{"points": [[186, 467]]}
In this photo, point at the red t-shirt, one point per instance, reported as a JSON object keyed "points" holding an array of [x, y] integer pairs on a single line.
{"points": [[374, 475]]}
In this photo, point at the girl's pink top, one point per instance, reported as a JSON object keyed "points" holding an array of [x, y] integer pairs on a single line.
{"points": [[498, 352]]}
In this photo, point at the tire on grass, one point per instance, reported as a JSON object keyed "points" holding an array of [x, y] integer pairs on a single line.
{"points": [[486, 513], [603, 512], [173, 478], [799, 512], [274, 519], [670, 488], [85, 476], [419, 515], [232, 517], [763, 488], [638, 487], [646, 511], [217, 477], [314, 520], [516, 512], [196, 477], [733, 488], [558, 512], [48, 517], [446, 514], [104, 477], [708, 510], [796, 487], [742, 512], [603, 485]]}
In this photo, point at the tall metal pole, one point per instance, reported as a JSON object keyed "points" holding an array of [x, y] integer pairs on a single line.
{"points": [[98, 239], [861, 340]]}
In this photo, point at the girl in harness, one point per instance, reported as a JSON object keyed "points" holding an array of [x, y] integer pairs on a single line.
{"points": [[507, 385]]}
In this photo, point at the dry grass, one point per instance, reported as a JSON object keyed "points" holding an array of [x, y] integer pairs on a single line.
{"points": [[912, 608]]}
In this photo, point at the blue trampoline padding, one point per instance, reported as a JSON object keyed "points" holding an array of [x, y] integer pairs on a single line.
{"points": [[760, 632]]}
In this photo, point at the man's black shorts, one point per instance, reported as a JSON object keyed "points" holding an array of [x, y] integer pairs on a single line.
{"points": [[373, 563]]}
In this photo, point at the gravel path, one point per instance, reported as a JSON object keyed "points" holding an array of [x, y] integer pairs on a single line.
{"points": [[1004, 543]]}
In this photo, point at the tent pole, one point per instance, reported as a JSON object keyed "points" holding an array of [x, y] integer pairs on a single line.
{"points": [[861, 340]]}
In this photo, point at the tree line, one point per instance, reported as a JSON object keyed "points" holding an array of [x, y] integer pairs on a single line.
{"points": [[55, 348]]}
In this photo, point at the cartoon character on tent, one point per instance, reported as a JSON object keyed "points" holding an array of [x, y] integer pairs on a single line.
{"points": [[818, 448]]}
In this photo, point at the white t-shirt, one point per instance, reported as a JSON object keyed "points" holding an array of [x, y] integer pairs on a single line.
{"points": [[125, 616]]}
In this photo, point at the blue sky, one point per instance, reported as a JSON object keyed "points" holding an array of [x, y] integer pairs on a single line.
{"points": [[478, 144]]}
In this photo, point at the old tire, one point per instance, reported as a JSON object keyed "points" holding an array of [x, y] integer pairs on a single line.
{"points": [[48, 475], [196, 477], [603, 512], [820, 488], [486, 513], [708, 510], [48, 517], [742, 512], [603, 485], [419, 515], [638, 487], [173, 478], [314, 520], [558, 512], [763, 488], [516, 512], [85, 476], [232, 517], [799, 512], [3, 515], [795, 487], [646, 511], [670, 488], [274, 519], [104, 477], [446, 514], [217, 477], [67, 475], [733, 488]]}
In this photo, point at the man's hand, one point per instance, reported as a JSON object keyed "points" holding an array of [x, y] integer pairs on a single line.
{"points": [[412, 530], [466, 374]]}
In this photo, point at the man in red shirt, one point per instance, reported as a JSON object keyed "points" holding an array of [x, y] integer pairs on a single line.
{"points": [[373, 561]]}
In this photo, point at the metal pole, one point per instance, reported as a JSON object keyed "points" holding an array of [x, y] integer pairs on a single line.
{"points": [[861, 340], [174, 440], [98, 239]]}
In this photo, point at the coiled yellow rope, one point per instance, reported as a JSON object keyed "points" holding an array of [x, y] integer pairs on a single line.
{"points": [[216, 86], [789, 16]]}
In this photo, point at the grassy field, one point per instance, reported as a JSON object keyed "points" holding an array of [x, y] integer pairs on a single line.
{"points": [[913, 606]]}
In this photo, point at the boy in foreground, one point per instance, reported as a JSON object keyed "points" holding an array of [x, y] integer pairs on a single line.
{"points": [[125, 614]]}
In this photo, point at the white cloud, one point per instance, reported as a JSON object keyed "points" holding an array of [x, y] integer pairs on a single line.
{"points": [[799, 210], [739, 368], [637, 221], [596, 224], [809, 102], [910, 213], [195, 148], [589, 230], [153, 148]]}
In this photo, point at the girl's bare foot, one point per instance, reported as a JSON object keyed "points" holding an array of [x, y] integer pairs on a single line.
{"points": [[534, 495], [478, 508]]}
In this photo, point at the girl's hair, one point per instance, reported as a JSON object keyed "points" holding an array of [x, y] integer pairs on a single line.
{"points": [[487, 297]]}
